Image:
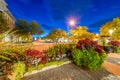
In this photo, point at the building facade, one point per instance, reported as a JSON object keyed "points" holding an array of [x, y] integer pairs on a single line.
{"points": [[4, 11]]}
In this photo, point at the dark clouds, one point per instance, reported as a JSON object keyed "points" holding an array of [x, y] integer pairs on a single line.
{"points": [[54, 13]]}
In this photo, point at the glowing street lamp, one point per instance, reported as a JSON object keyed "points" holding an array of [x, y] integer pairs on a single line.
{"points": [[111, 31], [72, 22]]}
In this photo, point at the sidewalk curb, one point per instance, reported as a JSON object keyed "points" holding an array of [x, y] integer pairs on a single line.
{"points": [[44, 69]]}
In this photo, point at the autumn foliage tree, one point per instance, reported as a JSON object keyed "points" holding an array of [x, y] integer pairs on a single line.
{"points": [[81, 32], [113, 25], [55, 34]]}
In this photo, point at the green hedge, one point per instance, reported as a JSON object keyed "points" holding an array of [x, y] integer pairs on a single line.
{"points": [[88, 58], [118, 50], [77, 56]]}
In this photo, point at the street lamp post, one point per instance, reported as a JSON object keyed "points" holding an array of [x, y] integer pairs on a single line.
{"points": [[70, 23], [111, 31]]}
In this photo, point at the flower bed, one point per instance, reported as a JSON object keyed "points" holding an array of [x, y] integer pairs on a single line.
{"points": [[85, 53], [22, 59]]}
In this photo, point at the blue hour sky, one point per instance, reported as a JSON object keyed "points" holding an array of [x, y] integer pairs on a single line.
{"points": [[55, 13]]}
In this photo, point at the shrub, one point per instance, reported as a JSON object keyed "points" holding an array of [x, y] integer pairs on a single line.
{"points": [[12, 53], [88, 54], [8, 56], [89, 44], [60, 51], [92, 60], [114, 43], [118, 50], [19, 69], [109, 49], [57, 51], [34, 53], [35, 56], [77, 56], [88, 58], [5, 69]]}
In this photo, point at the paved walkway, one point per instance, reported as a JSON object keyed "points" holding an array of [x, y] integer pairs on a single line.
{"points": [[110, 71], [112, 63]]}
